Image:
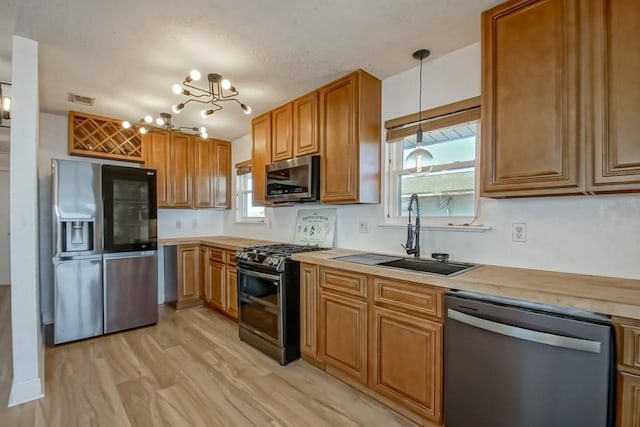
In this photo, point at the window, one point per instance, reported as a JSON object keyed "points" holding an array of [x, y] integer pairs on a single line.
{"points": [[448, 193], [245, 211]]}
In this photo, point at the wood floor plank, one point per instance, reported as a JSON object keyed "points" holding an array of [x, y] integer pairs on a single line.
{"points": [[191, 369]]}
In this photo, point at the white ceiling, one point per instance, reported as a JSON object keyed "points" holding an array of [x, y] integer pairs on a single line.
{"points": [[127, 54]]}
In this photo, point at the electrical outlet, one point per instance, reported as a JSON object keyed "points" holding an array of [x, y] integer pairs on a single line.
{"points": [[178, 223], [363, 226], [519, 232]]}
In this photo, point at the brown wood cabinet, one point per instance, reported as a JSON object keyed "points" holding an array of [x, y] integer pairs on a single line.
{"points": [[156, 156], [531, 142], [383, 336], [628, 400], [306, 140], [180, 167], [217, 281], [308, 312], [204, 274], [628, 351], [406, 361], [282, 133], [350, 110], [212, 173], [559, 96], [260, 156], [231, 289], [221, 176], [191, 172], [188, 294], [343, 334], [613, 144]]}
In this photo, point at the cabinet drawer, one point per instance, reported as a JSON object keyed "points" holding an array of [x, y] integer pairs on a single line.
{"points": [[628, 334], [408, 296], [341, 281], [231, 258], [216, 254]]}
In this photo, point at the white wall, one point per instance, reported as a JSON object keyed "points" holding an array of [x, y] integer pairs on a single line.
{"points": [[590, 235], [26, 333]]}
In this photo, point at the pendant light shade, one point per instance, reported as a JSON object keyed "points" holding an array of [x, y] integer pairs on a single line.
{"points": [[419, 162]]}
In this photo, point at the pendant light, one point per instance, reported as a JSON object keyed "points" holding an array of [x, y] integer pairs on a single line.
{"points": [[419, 162]]}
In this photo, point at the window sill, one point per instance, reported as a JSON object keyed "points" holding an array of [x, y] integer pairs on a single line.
{"points": [[464, 228]]}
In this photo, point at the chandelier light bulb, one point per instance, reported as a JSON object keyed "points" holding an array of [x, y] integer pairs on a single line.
{"points": [[143, 130], [226, 84], [194, 75], [177, 108], [206, 113], [177, 89], [6, 103], [160, 121], [203, 130], [148, 119], [126, 124], [245, 108], [204, 135]]}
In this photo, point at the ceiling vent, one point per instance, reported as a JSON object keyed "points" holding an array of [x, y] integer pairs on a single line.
{"points": [[82, 100]]}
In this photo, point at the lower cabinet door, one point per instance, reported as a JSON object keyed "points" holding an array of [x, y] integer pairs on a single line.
{"points": [[406, 361], [217, 285], [232, 292], [343, 336], [205, 276], [308, 312], [628, 400]]}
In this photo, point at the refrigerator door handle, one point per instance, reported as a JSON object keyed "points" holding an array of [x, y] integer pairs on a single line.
{"points": [[526, 334], [117, 255]]}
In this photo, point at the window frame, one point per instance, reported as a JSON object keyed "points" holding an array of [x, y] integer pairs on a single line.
{"points": [[437, 118], [242, 170]]}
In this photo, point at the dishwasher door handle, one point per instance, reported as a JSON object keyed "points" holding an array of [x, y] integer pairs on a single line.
{"points": [[526, 334]]}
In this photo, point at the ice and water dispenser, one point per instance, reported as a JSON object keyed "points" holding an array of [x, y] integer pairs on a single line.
{"points": [[77, 235]]}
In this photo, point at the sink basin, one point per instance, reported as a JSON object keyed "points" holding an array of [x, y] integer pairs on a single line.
{"points": [[429, 266]]}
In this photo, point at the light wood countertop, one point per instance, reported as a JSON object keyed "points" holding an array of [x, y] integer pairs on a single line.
{"points": [[226, 242], [608, 295]]}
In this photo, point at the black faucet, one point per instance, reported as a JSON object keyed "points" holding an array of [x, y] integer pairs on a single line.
{"points": [[413, 233]]}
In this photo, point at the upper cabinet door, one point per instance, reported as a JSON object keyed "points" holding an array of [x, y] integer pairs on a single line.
{"points": [[181, 163], [531, 139], [282, 129], [203, 176], [156, 156], [260, 156], [305, 125], [222, 174], [340, 151], [615, 63]]}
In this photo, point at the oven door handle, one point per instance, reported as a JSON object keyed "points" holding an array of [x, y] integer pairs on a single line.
{"points": [[274, 277]]}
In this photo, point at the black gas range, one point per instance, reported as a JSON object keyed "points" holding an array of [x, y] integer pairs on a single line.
{"points": [[272, 257], [269, 299]]}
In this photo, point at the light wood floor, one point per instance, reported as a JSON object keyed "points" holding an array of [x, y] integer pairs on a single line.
{"points": [[189, 370], [6, 356]]}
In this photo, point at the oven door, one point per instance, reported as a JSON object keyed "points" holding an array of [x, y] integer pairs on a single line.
{"points": [[260, 303]]}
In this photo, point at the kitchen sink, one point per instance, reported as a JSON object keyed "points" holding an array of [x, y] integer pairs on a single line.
{"points": [[430, 266]]}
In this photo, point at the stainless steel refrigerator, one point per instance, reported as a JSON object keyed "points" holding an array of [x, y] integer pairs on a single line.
{"points": [[104, 257]]}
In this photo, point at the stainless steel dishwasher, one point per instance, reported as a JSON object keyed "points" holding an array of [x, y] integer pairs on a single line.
{"points": [[510, 363]]}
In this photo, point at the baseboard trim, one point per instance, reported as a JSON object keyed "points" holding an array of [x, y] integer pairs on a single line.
{"points": [[25, 391]]}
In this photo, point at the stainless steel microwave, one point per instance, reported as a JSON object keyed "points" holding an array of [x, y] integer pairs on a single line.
{"points": [[295, 180]]}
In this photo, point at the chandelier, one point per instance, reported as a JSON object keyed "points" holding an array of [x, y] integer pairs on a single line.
{"points": [[218, 91], [161, 123]]}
